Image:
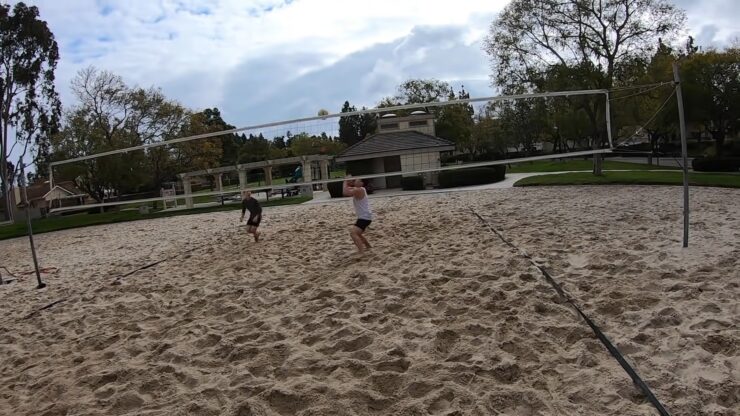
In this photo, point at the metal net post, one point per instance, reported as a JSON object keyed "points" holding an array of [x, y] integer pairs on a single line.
{"points": [[41, 284]]}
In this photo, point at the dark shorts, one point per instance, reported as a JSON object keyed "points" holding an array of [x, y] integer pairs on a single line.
{"points": [[254, 220], [362, 224]]}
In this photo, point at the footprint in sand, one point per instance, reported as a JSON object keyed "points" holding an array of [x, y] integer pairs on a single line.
{"points": [[441, 403], [721, 344], [445, 341], [285, 402], [711, 324], [388, 383], [397, 366], [665, 318]]}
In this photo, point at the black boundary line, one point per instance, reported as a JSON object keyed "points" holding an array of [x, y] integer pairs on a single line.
{"points": [[597, 331], [118, 279], [37, 311], [149, 265]]}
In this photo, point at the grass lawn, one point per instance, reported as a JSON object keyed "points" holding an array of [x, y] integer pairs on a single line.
{"points": [[339, 173], [46, 225], [578, 164], [725, 180]]}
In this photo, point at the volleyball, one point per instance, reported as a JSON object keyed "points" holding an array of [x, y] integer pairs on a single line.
{"points": [[323, 112]]}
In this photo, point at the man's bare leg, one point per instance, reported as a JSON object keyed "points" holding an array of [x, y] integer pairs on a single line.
{"points": [[251, 229], [354, 233], [364, 240]]}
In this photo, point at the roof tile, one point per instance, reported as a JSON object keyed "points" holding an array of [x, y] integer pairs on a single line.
{"points": [[392, 142]]}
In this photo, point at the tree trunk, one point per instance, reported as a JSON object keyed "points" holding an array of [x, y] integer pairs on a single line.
{"points": [[4, 188], [598, 160], [719, 140], [596, 138]]}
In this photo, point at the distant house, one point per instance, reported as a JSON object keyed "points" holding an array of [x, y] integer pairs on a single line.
{"points": [[401, 144], [41, 198]]}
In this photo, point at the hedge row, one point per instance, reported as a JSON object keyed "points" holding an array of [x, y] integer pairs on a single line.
{"points": [[447, 179], [716, 164], [471, 176], [412, 183]]}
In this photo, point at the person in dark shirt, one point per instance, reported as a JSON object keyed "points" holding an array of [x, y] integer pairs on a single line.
{"points": [[255, 214]]}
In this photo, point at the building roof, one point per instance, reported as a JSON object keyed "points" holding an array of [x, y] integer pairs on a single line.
{"points": [[39, 190], [69, 187], [394, 143], [36, 190]]}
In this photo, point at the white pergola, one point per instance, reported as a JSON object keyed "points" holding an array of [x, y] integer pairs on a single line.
{"points": [[265, 165]]}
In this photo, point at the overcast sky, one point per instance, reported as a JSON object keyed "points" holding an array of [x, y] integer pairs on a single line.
{"points": [[266, 60]]}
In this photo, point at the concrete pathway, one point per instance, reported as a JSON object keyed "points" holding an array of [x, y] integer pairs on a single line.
{"points": [[322, 197], [662, 161]]}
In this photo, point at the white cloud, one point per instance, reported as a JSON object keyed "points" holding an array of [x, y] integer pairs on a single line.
{"points": [[712, 22], [238, 53], [158, 42]]}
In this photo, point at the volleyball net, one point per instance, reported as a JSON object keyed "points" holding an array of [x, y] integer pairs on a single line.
{"points": [[305, 154]]}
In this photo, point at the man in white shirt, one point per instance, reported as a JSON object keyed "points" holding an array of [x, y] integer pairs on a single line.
{"points": [[356, 189]]}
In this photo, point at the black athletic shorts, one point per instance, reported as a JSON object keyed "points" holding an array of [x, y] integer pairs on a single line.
{"points": [[362, 224], [255, 222]]}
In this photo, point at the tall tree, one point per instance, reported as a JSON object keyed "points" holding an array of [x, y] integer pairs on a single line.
{"points": [[455, 121], [711, 80], [230, 143], [28, 101], [110, 115], [593, 40], [255, 149], [198, 154], [418, 91], [367, 125], [423, 91], [348, 126], [352, 129], [523, 122], [279, 142], [304, 144], [638, 111]]}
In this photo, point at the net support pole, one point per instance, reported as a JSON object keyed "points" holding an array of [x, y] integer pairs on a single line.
{"points": [[609, 121], [51, 183], [41, 284], [684, 154]]}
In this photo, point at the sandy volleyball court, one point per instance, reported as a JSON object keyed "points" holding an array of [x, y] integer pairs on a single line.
{"points": [[441, 318]]}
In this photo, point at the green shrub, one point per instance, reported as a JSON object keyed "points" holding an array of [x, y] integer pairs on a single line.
{"points": [[471, 176], [454, 159], [734, 150], [716, 164], [412, 183]]}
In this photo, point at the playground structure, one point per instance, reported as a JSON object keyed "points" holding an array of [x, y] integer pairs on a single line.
{"points": [[170, 194], [307, 167]]}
